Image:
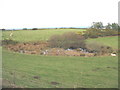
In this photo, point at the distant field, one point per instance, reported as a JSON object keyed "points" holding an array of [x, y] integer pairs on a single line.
{"points": [[67, 72], [110, 41], [36, 35]]}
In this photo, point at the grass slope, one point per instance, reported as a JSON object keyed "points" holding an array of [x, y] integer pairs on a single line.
{"points": [[83, 72], [36, 35], [91, 72], [109, 41]]}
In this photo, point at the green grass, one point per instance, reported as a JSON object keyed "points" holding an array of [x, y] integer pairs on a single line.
{"points": [[109, 41], [82, 72], [36, 35]]}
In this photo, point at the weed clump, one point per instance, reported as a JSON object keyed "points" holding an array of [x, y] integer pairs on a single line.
{"points": [[68, 40]]}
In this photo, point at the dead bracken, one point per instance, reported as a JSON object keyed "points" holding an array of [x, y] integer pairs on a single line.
{"points": [[43, 49]]}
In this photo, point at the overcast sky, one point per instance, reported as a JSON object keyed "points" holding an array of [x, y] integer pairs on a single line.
{"points": [[56, 13]]}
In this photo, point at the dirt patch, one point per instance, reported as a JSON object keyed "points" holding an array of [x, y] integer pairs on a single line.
{"points": [[108, 67], [36, 77], [96, 69], [63, 52], [112, 67], [55, 83], [11, 73]]}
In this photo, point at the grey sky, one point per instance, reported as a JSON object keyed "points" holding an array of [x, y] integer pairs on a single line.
{"points": [[56, 13]]}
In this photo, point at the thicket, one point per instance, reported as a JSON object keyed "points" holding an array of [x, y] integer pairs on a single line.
{"points": [[98, 48], [94, 33], [67, 40]]}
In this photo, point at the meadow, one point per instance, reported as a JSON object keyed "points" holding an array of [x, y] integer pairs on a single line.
{"points": [[36, 35], [37, 71], [65, 72], [111, 41]]}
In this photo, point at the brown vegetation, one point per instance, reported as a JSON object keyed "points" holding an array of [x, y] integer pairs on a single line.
{"points": [[67, 40], [99, 49], [43, 49], [28, 48], [95, 33]]}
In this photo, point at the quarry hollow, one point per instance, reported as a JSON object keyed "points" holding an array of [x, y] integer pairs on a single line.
{"points": [[42, 48]]}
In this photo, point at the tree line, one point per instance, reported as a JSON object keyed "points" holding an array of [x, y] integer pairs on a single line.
{"points": [[95, 25], [99, 25]]}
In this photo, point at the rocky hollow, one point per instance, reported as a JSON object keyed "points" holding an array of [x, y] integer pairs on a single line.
{"points": [[42, 48]]}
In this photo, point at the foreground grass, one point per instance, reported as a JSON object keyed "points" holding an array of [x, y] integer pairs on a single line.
{"points": [[36, 35], [109, 41], [82, 72]]}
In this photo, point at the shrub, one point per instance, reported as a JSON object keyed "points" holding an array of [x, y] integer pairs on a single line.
{"points": [[94, 33], [9, 41], [79, 33], [82, 54], [98, 48], [91, 33], [67, 40], [109, 32], [24, 28], [3, 29], [35, 29]]}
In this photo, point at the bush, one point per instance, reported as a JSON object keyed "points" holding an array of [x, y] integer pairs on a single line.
{"points": [[67, 40], [109, 32], [3, 29], [91, 33], [79, 33], [35, 29], [24, 28], [6, 42], [98, 48], [94, 33]]}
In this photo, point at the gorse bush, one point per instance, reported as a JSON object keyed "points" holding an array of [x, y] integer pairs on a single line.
{"points": [[91, 33], [109, 32], [67, 40], [94, 33]]}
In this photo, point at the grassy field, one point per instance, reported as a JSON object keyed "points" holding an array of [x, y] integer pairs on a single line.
{"points": [[109, 41], [94, 72], [35, 71], [36, 35]]}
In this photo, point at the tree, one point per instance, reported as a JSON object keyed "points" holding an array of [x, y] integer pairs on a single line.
{"points": [[108, 26], [3, 29], [115, 26], [118, 28], [24, 28], [35, 29], [97, 25]]}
